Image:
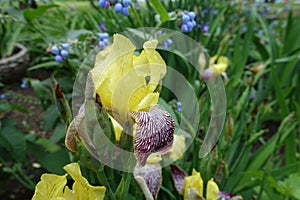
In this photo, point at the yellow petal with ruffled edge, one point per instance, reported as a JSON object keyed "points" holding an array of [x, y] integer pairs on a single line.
{"points": [[120, 77], [81, 188], [220, 66], [111, 64], [212, 190], [134, 89], [50, 186], [194, 181]]}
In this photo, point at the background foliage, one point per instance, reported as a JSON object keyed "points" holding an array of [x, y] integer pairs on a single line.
{"points": [[257, 155]]}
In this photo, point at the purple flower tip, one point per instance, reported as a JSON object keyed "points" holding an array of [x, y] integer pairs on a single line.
{"points": [[252, 96]]}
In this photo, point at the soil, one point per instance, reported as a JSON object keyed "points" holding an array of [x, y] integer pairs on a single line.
{"points": [[29, 122]]}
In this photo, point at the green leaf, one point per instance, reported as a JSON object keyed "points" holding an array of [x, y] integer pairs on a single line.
{"points": [[164, 16], [17, 142], [58, 133], [51, 116], [74, 34], [47, 145], [31, 14], [292, 185], [45, 65], [292, 39]]}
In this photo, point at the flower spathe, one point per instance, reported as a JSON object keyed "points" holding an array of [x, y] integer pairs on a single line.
{"points": [[54, 186]]}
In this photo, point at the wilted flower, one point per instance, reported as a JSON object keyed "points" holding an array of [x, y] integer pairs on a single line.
{"points": [[54, 186], [217, 65]]}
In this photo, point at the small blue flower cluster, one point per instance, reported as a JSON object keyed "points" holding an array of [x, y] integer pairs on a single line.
{"points": [[119, 6], [60, 53], [167, 43], [188, 22], [179, 109], [102, 40]]}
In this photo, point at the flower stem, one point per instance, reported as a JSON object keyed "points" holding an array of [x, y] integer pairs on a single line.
{"points": [[103, 180]]}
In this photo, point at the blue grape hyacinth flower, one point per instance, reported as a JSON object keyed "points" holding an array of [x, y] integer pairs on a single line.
{"points": [[188, 21]]}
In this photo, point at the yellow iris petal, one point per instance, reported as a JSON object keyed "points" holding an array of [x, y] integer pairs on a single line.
{"points": [[218, 66], [193, 181], [212, 190], [81, 187], [117, 128], [49, 187], [126, 82], [154, 158], [178, 147]]}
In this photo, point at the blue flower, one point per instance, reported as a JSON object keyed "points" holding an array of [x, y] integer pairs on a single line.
{"points": [[3, 96], [102, 26], [101, 3], [206, 28], [54, 50], [65, 46], [287, 8], [187, 21], [118, 8], [184, 28], [167, 42], [23, 84], [64, 53], [103, 40], [127, 3], [244, 28], [125, 11], [58, 58], [252, 96], [179, 109], [185, 18]]}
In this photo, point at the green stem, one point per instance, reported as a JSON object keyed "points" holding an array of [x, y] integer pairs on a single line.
{"points": [[103, 181]]}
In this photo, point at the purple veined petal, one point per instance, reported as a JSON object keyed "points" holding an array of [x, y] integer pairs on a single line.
{"points": [[149, 178], [178, 176], [154, 132]]}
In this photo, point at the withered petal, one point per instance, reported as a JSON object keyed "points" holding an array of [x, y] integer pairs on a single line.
{"points": [[154, 132], [149, 178], [178, 175]]}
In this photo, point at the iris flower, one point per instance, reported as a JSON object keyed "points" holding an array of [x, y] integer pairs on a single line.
{"points": [[127, 85], [217, 65], [191, 187], [53, 187]]}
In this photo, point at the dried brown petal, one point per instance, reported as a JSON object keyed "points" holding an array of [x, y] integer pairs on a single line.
{"points": [[154, 132]]}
